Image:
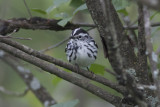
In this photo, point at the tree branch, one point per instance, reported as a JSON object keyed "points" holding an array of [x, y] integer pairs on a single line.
{"points": [[153, 58], [32, 83], [82, 72], [126, 50], [62, 74], [8, 26], [154, 4], [121, 57], [112, 39], [118, 58], [142, 57]]}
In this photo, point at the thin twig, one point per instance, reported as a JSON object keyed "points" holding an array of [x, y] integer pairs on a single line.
{"points": [[131, 26], [91, 28], [54, 46], [132, 37], [11, 37], [28, 10], [134, 27], [17, 94], [14, 31], [84, 24]]}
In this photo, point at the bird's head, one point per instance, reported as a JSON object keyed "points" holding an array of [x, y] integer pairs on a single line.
{"points": [[80, 34]]}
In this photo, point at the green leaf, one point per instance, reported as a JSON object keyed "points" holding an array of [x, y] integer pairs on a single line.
{"points": [[61, 15], [97, 69], [60, 2], [56, 80], [123, 11], [39, 11], [66, 17], [80, 8], [57, 4], [120, 4], [64, 21], [50, 9], [72, 103], [154, 15], [76, 3]]}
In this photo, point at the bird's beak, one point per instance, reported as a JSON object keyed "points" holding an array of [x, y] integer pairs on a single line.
{"points": [[71, 37]]}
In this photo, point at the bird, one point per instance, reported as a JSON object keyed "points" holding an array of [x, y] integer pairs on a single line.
{"points": [[81, 50]]}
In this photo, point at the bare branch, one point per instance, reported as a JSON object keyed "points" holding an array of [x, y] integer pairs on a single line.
{"points": [[8, 26], [106, 5], [28, 10], [153, 58], [62, 74], [154, 4], [112, 39], [134, 27], [126, 50], [17, 94], [20, 38], [55, 46], [32, 83], [85, 25], [10, 36], [47, 58], [142, 57]]}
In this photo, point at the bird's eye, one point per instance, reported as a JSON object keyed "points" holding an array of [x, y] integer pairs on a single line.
{"points": [[80, 37]]}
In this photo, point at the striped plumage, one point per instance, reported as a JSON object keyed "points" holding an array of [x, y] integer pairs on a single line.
{"points": [[81, 48]]}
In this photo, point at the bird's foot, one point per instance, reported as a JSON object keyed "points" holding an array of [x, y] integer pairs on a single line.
{"points": [[93, 75], [77, 67]]}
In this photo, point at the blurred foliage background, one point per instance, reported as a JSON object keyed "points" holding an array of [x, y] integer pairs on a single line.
{"points": [[67, 10]]}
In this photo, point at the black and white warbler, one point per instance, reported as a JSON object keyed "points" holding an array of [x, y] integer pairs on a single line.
{"points": [[81, 49]]}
